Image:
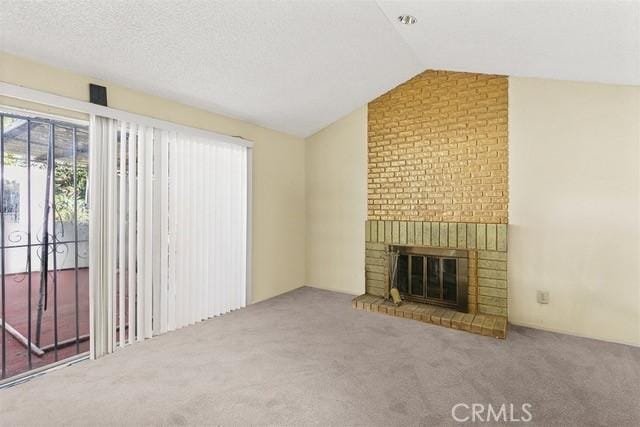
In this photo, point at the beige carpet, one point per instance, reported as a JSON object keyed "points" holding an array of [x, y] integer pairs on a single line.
{"points": [[307, 358]]}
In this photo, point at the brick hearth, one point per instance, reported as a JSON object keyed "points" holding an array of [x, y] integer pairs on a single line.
{"points": [[481, 324]]}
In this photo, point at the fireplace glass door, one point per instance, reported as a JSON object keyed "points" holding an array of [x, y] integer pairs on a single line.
{"points": [[433, 276]]}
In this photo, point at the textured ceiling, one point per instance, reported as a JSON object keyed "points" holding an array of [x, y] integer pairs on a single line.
{"points": [[297, 66], [595, 41]]}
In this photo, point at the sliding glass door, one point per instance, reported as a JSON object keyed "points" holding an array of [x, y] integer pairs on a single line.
{"points": [[44, 229], [169, 235]]}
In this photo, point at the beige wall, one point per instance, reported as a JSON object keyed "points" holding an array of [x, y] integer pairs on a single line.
{"points": [[337, 204], [278, 181], [574, 209], [438, 149]]}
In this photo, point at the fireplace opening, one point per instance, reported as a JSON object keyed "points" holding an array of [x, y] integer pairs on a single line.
{"points": [[431, 275]]}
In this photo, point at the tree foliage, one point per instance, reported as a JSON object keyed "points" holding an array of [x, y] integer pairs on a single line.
{"points": [[65, 194]]}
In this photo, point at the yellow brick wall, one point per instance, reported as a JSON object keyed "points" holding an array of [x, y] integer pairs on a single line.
{"points": [[437, 148]]}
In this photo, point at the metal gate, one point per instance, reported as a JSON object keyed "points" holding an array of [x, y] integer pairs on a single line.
{"points": [[44, 228]]}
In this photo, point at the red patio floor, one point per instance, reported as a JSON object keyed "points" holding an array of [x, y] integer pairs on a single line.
{"points": [[16, 313]]}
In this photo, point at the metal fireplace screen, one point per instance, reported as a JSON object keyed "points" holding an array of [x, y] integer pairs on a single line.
{"points": [[430, 275]]}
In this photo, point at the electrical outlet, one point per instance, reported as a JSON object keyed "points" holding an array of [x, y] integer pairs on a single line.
{"points": [[543, 297]]}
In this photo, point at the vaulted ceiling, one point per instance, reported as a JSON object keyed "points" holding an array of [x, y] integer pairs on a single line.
{"points": [[297, 66]]}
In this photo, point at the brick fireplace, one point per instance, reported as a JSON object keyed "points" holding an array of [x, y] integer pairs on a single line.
{"points": [[437, 180], [485, 244]]}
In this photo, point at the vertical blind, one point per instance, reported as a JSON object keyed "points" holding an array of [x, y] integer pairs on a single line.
{"points": [[168, 231]]}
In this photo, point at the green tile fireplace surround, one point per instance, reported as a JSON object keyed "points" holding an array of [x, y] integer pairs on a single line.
{"points": [[487, 250]]}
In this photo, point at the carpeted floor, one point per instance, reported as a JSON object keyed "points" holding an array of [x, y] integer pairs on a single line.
{"points": [[306, 357]]}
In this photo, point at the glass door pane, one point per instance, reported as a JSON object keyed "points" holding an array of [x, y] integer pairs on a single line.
{"points": [[433, 277], [417, 276], [402, 274], [449, 281], [44, 236]]}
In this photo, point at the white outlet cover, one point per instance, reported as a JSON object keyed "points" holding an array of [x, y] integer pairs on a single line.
{"points": [[542, 297]]}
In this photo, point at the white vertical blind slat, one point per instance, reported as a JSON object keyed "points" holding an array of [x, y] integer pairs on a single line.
{"points": [[228, 229], [236, 217], [207, 227], [96, 159], [112, 236], [217, 233], [148, 234], [164, 231], [157, 314], [122, 236], [180, 229], [172, 238], [206, 231], [140, 249], [228, 221], [211, 280], [192, 247], [131, 265], [204, 239], [241, 242], [244, 195], [244, 191], [186, 238], [201, 235]]}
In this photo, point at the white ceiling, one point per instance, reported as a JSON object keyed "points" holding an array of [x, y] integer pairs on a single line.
{"points": [[569, 40], [297, 66]]}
